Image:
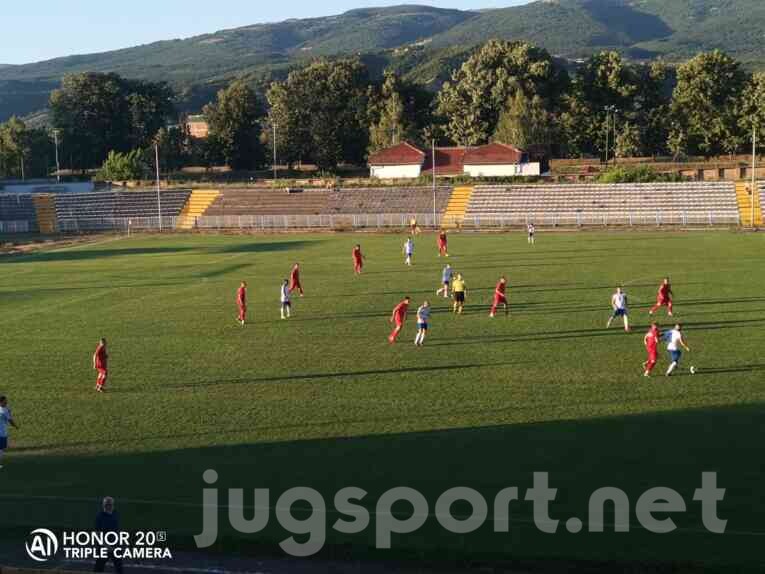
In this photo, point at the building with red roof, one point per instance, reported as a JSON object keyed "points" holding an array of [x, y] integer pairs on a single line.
{"points": [[492, 160]]}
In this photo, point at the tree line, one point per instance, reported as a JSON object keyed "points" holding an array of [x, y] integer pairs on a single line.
{"points": [[330, 112]]}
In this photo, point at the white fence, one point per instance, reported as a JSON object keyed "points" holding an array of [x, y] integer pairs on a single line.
{"points": [[400, 220], [594, 219]]}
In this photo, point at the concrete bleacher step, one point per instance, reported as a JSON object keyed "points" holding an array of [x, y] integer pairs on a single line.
{"points": [[458, 205], [45, 208], [196, 205], [745, 197]]}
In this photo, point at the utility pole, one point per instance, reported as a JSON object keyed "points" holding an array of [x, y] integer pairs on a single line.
{"points": [[616, 111], [608, 132], [58, 165], [609, 110], [159, 200], [275, 151], [435, 216], [23, 178]]}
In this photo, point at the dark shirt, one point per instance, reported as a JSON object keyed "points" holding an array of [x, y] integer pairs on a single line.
{"points": [[107, 522]]}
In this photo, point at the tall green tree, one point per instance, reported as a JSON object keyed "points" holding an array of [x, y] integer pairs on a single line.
{"points": [[390, 124], [479, 90], [752, 112], [150, 106], [24, 151], [628, 141], [707, 103], [98, 113], [234, 121], [175, 147], [321, 113], [525, 122], [637, 92], [123, 166]]}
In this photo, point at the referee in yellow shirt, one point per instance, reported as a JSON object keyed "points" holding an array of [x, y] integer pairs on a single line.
{"points": [[458, 292]]}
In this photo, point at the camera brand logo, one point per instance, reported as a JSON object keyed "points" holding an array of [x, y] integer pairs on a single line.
{"points": [[42, 545]]}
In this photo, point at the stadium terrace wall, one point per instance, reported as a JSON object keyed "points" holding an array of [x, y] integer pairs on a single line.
{"points": [[490, 207]]}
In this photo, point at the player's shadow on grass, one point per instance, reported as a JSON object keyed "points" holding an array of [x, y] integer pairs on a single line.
{"points": [[717, 325], [339, 375], [541, 336], [265, 247], [85, 254], [222, 271], [702, 302], [158, 484], [732, 369]]}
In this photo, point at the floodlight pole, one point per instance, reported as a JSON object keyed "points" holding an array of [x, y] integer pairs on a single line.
{"points": [[159, 200], [615, 112], [274, 126]]}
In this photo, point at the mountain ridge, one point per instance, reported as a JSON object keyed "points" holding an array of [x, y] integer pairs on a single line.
{"points": [[425, 42]]}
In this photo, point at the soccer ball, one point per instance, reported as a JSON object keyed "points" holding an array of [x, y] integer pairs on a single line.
{"points": [[693, 370]]}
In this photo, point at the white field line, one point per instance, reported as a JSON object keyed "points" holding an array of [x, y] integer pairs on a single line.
{"points": [[332, 511]]}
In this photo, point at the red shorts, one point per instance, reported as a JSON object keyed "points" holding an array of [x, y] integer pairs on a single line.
{"points": [[102, 371], [653, 355], [500, 299]]}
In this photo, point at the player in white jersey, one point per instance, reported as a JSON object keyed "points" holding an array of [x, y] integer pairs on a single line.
{"points": [[284, 294], [675, 345], [408, 250], [446, 279], [423, 320], [619, 305], [531, 230], [6, 420]]}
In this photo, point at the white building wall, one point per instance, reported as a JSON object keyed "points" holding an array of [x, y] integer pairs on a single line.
{"points": [[504, 170], [395, 171]]}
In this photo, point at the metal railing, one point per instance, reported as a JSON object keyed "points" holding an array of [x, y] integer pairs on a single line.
{"points": [[401, 220]]}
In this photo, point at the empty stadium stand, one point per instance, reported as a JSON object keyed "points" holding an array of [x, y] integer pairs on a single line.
{"points": [[399, 200], [17, 213], [101, 210], [268, 202], [661, 203], [323, 202]]}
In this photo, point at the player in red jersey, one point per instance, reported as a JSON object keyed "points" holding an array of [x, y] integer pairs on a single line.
{"points": [[651, 342], [399, 318], [500, 297], [358, 260], [241, 302], [443, 244], [295, 280], [663, 298], [100, 364]]}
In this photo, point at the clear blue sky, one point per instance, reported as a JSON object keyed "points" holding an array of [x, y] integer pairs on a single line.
{"points": [[35, 30]]}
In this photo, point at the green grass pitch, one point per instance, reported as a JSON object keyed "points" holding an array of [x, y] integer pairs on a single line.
{"points": [[323, 401]]}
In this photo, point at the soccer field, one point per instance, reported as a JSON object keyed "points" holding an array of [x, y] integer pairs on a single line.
{"points": [[323, 401]]}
